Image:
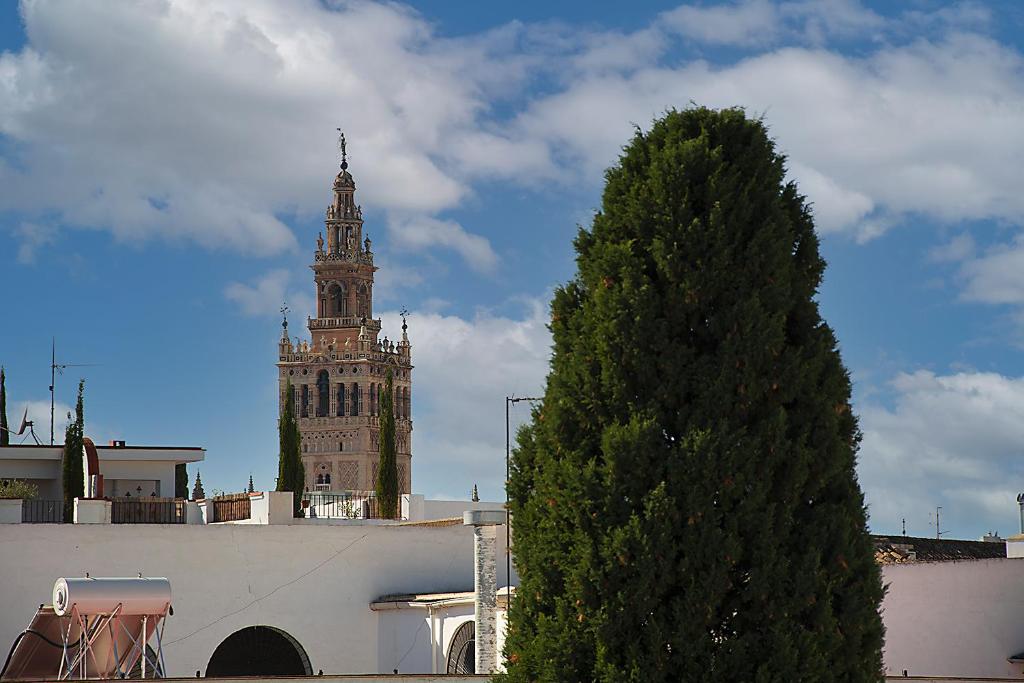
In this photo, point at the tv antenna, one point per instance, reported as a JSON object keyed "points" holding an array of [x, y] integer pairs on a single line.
{"points": [[938, 533], [25, 424], [58, 368]]}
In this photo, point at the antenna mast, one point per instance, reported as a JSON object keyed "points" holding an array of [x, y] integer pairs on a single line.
{"points": [[56, 367]]}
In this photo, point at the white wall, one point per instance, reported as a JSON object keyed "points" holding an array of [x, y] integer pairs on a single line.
{"points": [[313, 581], [954, 618], [143, 472]]}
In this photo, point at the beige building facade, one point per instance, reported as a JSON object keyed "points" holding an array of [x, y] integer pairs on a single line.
{"points": [[337, 376]]}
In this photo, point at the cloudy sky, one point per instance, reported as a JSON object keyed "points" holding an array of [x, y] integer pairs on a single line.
{"points": [[164, 166]]}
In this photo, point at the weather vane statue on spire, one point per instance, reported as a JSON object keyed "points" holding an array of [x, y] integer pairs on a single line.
{"points": [[341, 148]]}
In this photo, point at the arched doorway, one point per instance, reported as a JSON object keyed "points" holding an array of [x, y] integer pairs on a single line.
{"points": [[259, 651], [462, 650]]}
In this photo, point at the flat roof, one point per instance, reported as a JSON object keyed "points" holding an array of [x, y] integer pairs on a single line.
{"points": [[425, 600]]}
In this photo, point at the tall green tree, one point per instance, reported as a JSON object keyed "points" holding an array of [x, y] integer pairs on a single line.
{"points": [[291, 473], [72, 468], [197, 490], [685, 502], [5, 434], [180, 480], [386, 485]]}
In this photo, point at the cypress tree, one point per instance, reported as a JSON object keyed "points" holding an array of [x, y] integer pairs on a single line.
{"points": [[180, 481], [72, 469], [685, 501], [197, 490], [5, 434], [387, 470], [291, 473]]}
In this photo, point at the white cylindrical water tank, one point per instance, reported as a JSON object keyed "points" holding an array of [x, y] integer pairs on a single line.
{"points": [[103, 595]]}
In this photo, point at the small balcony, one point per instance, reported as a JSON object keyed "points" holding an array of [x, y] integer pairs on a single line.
{"points": [[339, 323]]}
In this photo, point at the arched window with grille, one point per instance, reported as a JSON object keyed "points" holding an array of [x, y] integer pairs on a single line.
{"points": [[462, 651], [355, 399], [341, 399], [304, 408]]}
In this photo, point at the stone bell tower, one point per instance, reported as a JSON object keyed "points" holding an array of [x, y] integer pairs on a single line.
{"points": [[337, 377]]}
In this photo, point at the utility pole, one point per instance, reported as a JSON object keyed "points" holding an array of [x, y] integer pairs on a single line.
{"points": [[938, 533]]}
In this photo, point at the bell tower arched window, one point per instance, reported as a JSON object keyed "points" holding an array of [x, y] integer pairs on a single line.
{"points": [[363, 301], [355, 400], [341, 399], [337, 301]]}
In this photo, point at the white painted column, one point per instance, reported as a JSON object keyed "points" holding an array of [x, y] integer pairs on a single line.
{"points": [[485, 583]]}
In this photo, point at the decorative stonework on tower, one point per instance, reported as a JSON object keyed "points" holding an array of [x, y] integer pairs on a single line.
{"points": [[338, 376]]}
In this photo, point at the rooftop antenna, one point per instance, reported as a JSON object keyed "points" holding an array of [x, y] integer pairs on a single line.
{"points": [[56, 368], [25, 424]]}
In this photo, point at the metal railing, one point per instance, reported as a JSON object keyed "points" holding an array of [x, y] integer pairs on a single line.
{"points": [[345, 505], [232, 508], [42, 511], [143, 511]]}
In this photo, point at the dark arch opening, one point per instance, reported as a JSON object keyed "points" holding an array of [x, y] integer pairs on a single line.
{"points": [[462, 650], [323, 388], [259, 651]]}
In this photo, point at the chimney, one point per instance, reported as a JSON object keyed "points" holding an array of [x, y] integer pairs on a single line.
{"points": [[485, 583], [1020, 504]]}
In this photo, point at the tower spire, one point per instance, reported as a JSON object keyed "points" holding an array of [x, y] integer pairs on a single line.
{"points": [[341, 147]]}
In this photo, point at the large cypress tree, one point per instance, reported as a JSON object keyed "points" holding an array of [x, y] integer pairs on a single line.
{"points": [[5, 434], [181, 480], [73, 470], [685, 501], [291, 473], [387, 470]]}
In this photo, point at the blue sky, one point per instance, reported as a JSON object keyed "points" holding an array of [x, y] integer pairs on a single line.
{"points": [[164, 167]]}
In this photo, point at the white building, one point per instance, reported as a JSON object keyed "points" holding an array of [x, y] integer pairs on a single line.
{"points": [[126, 470], [284, 595]]}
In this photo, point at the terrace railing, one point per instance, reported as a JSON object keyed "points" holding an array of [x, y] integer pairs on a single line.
{"points": [[42, 511], [147, 511], [344, 505]]}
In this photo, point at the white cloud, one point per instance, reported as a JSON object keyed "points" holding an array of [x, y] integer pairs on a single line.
{"points": [[959, 248], [464, 368], [211, 122], [265, 296], [33, 237], [996, 277], [421, 232], [929, 127], [753, 22], [206, 121], [949, 440]]}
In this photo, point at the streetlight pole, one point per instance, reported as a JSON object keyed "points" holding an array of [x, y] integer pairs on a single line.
{"points": [[509, 400]]}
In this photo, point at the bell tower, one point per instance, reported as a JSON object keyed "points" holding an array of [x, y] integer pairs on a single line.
{"points": [[337, 377]]}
